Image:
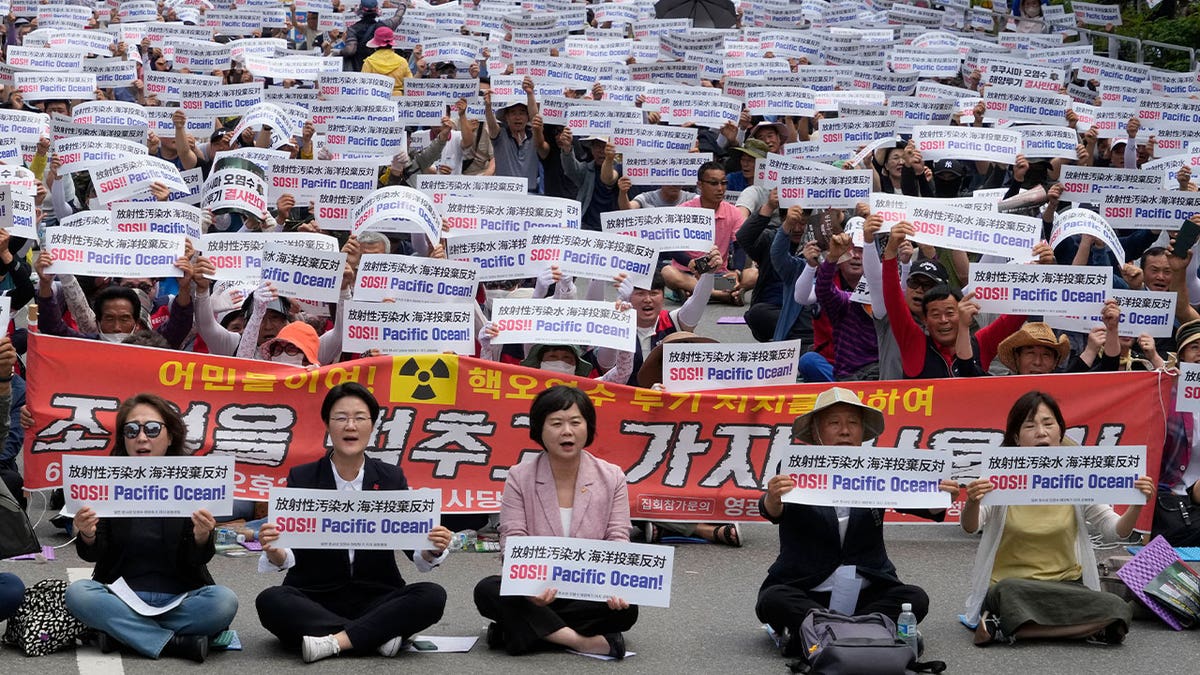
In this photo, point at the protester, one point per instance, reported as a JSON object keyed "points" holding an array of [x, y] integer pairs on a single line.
{"points": [[815, 541], [565, 492], [354, 601], [1035, 575], [159, 558], [684, 272], [384, 61]]}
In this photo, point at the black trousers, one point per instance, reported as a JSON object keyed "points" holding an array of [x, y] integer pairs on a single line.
{"points": [[784, 606], [371, 614], [524, 624]]}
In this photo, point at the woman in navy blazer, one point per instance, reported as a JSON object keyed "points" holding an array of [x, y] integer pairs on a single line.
{"points": [[333, 600], [565, 492]]}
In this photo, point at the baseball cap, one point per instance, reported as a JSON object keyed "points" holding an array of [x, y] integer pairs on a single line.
{"points": [[949, 166], [931, 269]]}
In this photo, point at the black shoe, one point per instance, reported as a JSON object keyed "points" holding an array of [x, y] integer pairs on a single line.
{"points": [[791, 644], [616, 645], [192, 647], [495, 636], [107, 643]]}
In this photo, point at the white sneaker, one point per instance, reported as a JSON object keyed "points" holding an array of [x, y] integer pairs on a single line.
{"points": [[391, 647], [317, 648]]}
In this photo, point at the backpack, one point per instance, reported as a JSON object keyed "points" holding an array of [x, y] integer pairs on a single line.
{"points": [[836, 644], [42, 624]]}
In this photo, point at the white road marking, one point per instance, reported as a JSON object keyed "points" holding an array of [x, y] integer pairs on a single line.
{"points": [[89, 659]]}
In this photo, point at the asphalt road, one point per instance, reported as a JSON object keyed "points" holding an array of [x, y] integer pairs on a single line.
{"points": [[710, 627]]}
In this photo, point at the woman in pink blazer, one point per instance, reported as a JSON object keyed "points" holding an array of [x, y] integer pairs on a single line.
{"points": [[565, 492]]}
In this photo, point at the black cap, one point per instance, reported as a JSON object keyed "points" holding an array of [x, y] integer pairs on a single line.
{"points": [[931, 269], [949, 166]]}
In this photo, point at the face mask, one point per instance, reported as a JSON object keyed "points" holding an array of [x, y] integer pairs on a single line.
{"points": [[492, 294], [557, 367], [290, 359], [115, 338]]}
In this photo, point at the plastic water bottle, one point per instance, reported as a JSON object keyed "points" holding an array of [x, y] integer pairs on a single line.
{"points": [[228, 537], [906, 628]]}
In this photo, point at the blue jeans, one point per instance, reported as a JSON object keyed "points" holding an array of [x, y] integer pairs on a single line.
{"points": [[12, 592], [205, 611], [815, 368]]}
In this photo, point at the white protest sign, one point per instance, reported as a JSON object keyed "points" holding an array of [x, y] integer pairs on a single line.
{"points": [[1064, 475], [113, 113], [703, 367], [1074, 222], [362, 519], [420, 112], [811, 188], [975, 231], [914, 111], [1149, 209], [228, 99], [80, 153], [1012, 103], [438, 186], [368, 85], [866, 477], [1089, 183], [704, 111], [564, 322], [158, 217], [673, 228], [407, 327], [447, 91], [508, 212], [637, 573], [499, 255], [167, 85], [37, 58], [647, 138], [93, 42], [129, 487], [133, 176], [850, 133], [1151, 312], [383, 276], [1048, 142], [1095, 14], [1040, 289], [95, 253], [17, 212], [985, 145], [10, 151], [775, 100], [237, 187], [237, 256], [40, 86], [354, 137], [592, 255], [303, 273], [1187, 388], [926, 62], [664, 169], [398, 209]]}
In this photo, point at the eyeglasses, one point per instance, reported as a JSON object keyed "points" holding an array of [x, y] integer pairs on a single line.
{"points": [[716, 182], [152, 429], [920, 284], [343, 420], [288, 348]]}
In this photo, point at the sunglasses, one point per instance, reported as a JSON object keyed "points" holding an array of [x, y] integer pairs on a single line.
{"points": [[152, 429], [917, 283]]}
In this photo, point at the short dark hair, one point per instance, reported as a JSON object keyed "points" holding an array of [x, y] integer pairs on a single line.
{"points": [[939, 292], [115, 292], [1024, 410], [349, 389], [1152, 252], [176, 430], [708, 166], [556, 398]]}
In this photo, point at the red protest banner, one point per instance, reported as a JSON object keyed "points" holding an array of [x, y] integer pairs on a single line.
{"points": [[457, 423]]}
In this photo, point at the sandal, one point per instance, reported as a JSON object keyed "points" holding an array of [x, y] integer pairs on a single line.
{"points": [[988, 630], [729, 534]]}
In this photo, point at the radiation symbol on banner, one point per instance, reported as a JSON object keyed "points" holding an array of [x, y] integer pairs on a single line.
{"points": [[425, 378]]}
